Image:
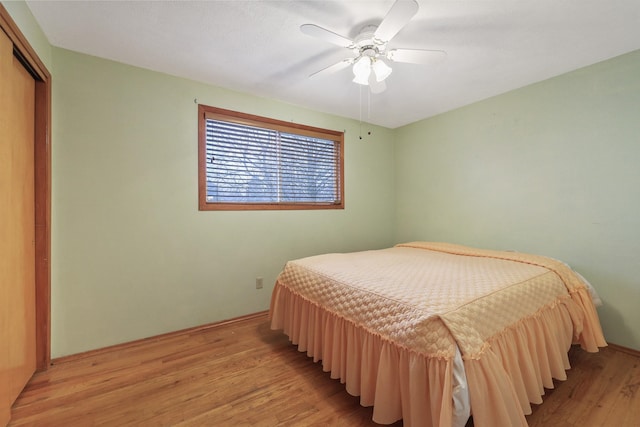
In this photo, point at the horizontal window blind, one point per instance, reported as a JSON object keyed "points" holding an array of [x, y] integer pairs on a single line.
{"points": [[251, 164]]}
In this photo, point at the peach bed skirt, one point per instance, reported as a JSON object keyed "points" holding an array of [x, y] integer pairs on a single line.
{"points": [[402, 384]]}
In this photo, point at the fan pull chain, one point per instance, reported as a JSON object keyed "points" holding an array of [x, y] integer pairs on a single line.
{"points": [[360, 110], [369, 104]]}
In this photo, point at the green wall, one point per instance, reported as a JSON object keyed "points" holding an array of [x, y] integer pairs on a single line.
{"points": [[552, 168], [132, 255]]}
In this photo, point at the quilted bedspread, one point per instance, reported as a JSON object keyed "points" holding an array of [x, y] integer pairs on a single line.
{"points": [[427, 297]]}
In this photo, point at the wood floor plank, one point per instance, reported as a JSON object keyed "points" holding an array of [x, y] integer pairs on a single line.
{"points": [[244, 374]]}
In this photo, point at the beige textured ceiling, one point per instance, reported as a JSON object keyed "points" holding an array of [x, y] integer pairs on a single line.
{"points": [[257, 47]]}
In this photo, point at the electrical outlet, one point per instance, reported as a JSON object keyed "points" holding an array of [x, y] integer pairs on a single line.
{"points": [[258, 282]]}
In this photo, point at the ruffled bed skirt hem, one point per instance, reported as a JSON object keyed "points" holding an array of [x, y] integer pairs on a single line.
{"points": [[398, 383], [512, 372], [524, 359]]}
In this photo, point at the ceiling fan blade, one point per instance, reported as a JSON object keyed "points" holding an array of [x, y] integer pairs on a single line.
{"points": [[334, 68], [398, 16], [416, 56], [326, 35]]}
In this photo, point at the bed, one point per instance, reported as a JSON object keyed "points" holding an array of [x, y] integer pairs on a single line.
{"points": [[430, 332]]}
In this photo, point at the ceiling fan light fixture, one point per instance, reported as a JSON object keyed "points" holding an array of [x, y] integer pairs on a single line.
{"points": [[362, 70], [371, 60], [381, 69]]}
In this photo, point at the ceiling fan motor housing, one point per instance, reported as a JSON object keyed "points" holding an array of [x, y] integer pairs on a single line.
{"points": [[365, 43]]}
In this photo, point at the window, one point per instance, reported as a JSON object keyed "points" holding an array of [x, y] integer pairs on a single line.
{"points": [[251, 162]]}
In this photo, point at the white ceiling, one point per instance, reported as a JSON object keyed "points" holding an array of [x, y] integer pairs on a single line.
{"points": [[492, 46]]}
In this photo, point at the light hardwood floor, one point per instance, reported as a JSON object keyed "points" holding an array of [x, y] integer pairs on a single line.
{"points": [[243, 374]]}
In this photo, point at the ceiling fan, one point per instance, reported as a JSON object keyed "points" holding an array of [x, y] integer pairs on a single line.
{"points": [[370, 65]]}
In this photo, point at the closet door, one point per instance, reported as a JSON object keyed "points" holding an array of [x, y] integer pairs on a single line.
{"points": [[17, 228]]}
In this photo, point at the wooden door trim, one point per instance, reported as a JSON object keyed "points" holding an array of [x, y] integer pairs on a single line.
{"points": [[42, 166]]}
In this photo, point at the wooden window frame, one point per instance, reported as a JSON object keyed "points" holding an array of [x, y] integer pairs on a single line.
{"points": [[207, 112]]}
